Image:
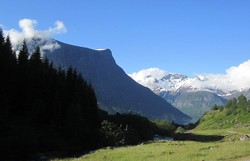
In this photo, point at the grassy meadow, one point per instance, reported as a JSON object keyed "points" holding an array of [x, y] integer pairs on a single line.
{"points": [[230, 148]]}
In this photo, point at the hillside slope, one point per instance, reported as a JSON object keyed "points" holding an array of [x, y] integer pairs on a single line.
{"points": [[235, 114]]}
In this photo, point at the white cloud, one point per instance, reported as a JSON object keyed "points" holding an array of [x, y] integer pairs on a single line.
{"points": [[29, 33], [237, 77], [59, 28], [147, 77], [28, 27], [155, 72]]}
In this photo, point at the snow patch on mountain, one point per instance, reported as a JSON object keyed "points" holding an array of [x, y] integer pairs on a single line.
{"points": [[236, 79], [100, 49]]}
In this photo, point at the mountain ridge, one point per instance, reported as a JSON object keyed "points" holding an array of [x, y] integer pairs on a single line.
{"points": [[159, 80], [115, 90]]}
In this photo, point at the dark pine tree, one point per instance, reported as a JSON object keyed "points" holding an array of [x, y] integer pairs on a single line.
{"points": [[23, 55], [8, 73], [22, 94], [7, 55], [35, 57], [36, 78], [10, 54]]}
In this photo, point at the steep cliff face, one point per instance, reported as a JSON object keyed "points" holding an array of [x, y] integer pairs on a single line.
{"points": [[115, 90]]}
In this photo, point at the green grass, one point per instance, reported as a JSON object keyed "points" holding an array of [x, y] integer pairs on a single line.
{"points": [[218, 119], [174, 150]]}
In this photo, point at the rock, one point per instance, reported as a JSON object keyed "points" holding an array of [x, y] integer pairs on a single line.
{"points": [[244, 137]]}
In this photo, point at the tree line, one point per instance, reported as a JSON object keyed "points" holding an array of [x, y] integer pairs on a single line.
{"points": [[49, 110], [234, 106]]}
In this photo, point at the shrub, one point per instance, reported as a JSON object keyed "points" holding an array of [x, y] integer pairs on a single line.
{"points": [[215, 107], [180, 130], [111, 133], [164, 127]]}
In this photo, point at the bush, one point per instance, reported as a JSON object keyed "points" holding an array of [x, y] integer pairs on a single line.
{"points": [[111, 133], [221, 108], [139, 126], [180, 130], [228, 111], [164, 127], [215, 107]]}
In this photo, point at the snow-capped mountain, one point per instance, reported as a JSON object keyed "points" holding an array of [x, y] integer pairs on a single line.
{"points": [[161, 81], [195, 95]]}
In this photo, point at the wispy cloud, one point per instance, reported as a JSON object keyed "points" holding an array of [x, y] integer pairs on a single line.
{"points": [[29, 33]]}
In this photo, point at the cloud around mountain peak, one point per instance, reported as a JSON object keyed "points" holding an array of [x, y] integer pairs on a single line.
{"points": [[29, 33], [147, 77], [236, 78], [155, 72]]}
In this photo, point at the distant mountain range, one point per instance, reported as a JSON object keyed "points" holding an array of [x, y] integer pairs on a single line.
{"points": [[115, 90], [193, 96]]}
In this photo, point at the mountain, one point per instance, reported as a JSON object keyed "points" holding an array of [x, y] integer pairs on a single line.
{"points": [[236, 94], [189, 95], [115, 90], [159, 80], [194, 104]]}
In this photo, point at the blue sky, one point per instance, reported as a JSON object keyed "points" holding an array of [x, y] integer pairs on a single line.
{"points": [[182, 36]]}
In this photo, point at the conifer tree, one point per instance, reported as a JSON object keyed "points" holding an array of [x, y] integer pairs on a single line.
{"points": [[23, 54], [36, 56], [242, 102], [7, 66], [9, 53], [22, 81], [1, 47], [3, 78], [1, 40]]}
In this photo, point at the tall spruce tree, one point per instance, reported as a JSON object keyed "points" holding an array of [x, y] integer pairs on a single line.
{"points": [[36, 56], [7, 70], [23, 54], [1, 49], [1, 41], [22, 93], [10, 54]]}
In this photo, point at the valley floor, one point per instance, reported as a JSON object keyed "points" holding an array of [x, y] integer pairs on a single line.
{"points": [[231, 146]]}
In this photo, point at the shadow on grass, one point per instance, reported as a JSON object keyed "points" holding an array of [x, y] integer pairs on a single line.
{"points": [[196, 137]]}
